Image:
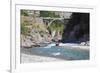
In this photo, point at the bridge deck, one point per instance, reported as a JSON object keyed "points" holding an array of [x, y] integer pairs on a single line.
{"points": [[53, 18]]}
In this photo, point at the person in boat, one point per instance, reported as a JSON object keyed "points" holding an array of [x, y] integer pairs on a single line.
{"points": [[57, 43]]}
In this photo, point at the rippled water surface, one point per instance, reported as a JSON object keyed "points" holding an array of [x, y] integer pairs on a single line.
{"points": [[62, 53]]}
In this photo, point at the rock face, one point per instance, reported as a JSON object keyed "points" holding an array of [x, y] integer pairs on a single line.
{"points": [[40, 35], [26, 42], [77, 29], [35, 39]]}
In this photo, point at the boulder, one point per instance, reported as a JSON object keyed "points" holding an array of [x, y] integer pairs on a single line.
{"points": [[85, 43], [26, 42]]}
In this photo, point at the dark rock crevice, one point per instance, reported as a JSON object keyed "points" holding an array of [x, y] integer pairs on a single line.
{"points": [[77, 28]]}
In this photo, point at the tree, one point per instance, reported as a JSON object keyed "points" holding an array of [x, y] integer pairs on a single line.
{"points": [[56, 28], [24, 12]]}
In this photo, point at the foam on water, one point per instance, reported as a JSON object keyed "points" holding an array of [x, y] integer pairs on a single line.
{"points": [[50, 45], [56, 53]]}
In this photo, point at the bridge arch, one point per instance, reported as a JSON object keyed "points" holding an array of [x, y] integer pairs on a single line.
{"points": [[60, 20], [56, 28]]}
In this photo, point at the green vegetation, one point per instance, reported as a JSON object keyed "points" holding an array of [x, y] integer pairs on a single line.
{"points": [[24, 12], [24, 29], [48, 14], [40, 27], [56, 28]]}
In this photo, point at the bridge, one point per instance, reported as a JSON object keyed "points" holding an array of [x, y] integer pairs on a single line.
{"points": [[50, 20]]}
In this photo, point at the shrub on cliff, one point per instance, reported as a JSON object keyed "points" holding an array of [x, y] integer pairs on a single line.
{"points": [[56, 28], [24, 12], [24, 29]]}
